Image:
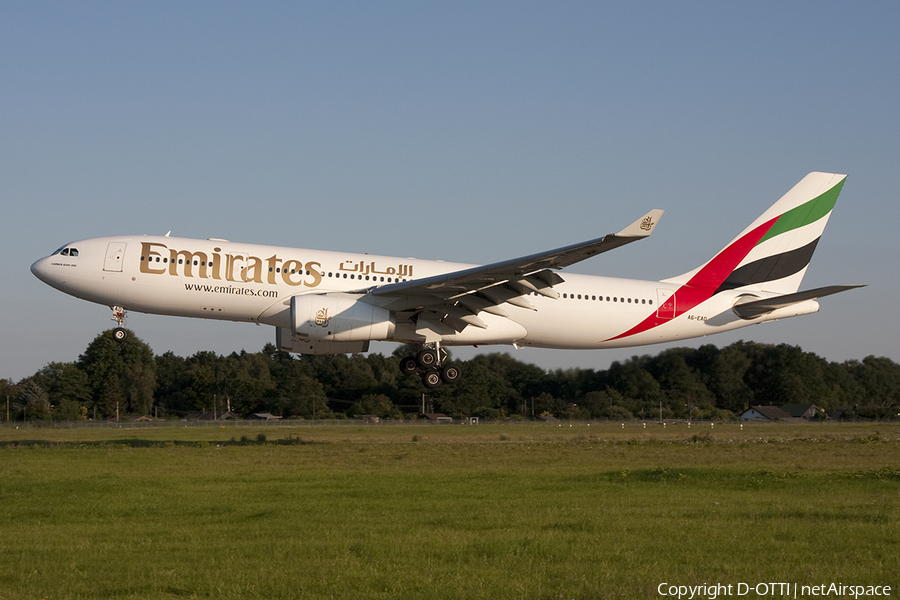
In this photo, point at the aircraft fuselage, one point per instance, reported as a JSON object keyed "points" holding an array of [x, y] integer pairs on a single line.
{"points": [[218, 279]]}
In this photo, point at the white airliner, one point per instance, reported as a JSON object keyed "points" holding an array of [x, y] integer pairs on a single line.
{"points": [[335, 302]]}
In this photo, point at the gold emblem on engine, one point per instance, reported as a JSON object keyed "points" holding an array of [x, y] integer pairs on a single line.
{"points": [[322, 317]]}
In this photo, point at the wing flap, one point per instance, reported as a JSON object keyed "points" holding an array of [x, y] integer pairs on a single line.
{"points": [[538, 285], [477, 303]]}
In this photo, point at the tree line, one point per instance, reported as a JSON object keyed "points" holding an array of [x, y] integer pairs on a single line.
{"points": [[113, 379]]}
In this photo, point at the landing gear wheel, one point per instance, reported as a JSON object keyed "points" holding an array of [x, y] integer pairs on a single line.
{"points": [[431, 379], [450, 373], [409, 365], [427, 358], [119, 334], [427, 363]]}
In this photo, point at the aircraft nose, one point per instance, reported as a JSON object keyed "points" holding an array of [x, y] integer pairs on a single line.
{"points": [[48, 270], [39, 268]]}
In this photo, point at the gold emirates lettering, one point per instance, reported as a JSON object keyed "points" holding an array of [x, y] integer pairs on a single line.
{"points": [[237, 267]]}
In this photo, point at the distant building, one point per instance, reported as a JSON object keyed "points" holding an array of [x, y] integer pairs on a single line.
{"points": [[438, 418], [263, 417], [210, 416], [765, 413], [803, 411]]}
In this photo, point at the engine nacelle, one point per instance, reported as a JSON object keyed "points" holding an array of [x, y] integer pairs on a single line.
{"points": [[339, 317], [288, 341]]}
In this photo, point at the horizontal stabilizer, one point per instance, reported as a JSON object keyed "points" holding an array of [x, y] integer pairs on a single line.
{"points": [[756, 308]]}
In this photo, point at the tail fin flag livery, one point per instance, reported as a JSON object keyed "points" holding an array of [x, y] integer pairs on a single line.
{"points": [[768, 259], [781, 241], [323, 302]]}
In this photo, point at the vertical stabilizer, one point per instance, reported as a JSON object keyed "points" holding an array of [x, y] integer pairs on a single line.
{"points": [[773, 253]]}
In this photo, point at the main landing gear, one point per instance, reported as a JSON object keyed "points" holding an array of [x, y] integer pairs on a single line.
{"points": [[119, 333], [428, 364]]}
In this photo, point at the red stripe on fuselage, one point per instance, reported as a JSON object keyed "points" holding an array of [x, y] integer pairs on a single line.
{"points": [[706, 281]]}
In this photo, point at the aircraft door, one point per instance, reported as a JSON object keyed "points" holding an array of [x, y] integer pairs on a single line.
{"points": [[114, 253], [665, 300]]}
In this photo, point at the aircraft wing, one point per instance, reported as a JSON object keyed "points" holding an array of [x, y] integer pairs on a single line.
{"points": [[455, 298]]}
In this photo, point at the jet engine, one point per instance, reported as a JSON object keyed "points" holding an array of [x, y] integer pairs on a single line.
{"points": [[339, 317]]}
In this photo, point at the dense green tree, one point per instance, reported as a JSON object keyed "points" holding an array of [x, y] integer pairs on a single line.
{"points": [[374, 404], [121, 375], [566, 384], [682, 386], [295, 383], [386, 371], [203, 371], [34, 400], [605, 404], [640, 391], [118, 378], [244, 383], [842, 389], [306, 399], [172, 380], [65, 382], [482, 391], [139, 381], [110, 399], [350, 377], [615, 413], [524, 380], [784, 374], [69, 410], [345, 378], [879, 387], [724, 372]]}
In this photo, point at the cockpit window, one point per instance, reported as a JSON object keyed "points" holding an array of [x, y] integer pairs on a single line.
{"points": [[66, 251]]}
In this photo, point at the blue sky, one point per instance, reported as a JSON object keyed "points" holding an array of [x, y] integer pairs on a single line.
{"points": [[471, 132]]}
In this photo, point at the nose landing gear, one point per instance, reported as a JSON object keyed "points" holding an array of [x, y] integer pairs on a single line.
{"points": [[119, 333], [429, 365]]}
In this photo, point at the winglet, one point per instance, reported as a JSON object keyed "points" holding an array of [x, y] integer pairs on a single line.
{"points": [[643, 226]]}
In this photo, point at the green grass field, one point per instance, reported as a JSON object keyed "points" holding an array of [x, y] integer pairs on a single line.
{"points": [[417, 511]]}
